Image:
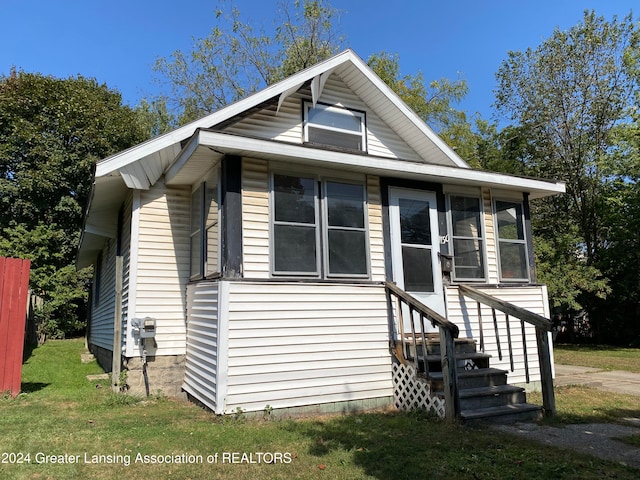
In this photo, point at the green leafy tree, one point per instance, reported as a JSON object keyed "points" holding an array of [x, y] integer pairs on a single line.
{"points": [[237, 59], [434, 103], [566, 99], [51, 133]]}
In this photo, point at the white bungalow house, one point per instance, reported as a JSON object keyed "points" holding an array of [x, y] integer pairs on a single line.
{"points": [[260, 244]]}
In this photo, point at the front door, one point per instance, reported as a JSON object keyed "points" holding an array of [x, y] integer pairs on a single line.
{"points": [[415, 241]]}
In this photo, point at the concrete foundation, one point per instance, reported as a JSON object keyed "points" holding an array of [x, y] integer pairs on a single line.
{"points": [[164, 374]]}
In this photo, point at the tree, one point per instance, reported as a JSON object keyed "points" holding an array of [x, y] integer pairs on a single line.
{"points": [[567, 98], [51, 133], [235, 60], [433, 103]]}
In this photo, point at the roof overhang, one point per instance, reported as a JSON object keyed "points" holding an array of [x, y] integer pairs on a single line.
{"points": [[206, 147], [101, 219]]}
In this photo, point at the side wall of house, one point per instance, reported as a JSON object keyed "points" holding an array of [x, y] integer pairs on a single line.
{"points": [[300, 344], [101, 329], [157, 286], [103, 311], [464, 313], [203, 379]]}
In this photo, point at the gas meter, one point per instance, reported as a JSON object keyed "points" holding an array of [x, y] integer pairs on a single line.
{"points": [[144, 327]]}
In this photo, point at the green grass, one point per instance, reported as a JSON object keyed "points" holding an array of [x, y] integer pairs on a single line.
{"points": [[62, 413], [599, 356]]}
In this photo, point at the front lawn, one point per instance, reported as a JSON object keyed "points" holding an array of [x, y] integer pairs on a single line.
{"points": [[598, 356], [65, 427]]}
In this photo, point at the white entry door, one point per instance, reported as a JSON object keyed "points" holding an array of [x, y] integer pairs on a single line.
{"points": [[415, 242]]}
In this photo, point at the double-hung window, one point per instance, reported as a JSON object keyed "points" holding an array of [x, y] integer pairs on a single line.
{"points": [[319, 228], [204, 221], [467, 237], [512, 246], [334, 126]]}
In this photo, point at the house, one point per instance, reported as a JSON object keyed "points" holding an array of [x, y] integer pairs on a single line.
{"points": [[258, 246]]}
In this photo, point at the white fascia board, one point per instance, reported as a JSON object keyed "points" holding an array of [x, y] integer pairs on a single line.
{"points": [[243, 146]]}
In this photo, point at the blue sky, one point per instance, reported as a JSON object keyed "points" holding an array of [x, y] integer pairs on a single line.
{"points": [[118, 41]]}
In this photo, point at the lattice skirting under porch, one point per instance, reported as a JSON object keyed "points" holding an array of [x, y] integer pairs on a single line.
{"points": [[410, 393]]}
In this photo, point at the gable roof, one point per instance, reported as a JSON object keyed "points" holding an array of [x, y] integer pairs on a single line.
{"points": [[142, 165]]}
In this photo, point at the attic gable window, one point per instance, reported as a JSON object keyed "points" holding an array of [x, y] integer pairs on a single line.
{"points": [[334, 126]]}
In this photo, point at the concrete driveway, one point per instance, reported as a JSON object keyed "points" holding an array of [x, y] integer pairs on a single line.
{"points": [[611, 380]]}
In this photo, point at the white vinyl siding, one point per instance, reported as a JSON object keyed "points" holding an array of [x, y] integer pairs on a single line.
{"points": [[305, 344], [162, 265], [255, 218], [376, 237], [205, 366], [490, 238], [286, 124], [464, 313]]}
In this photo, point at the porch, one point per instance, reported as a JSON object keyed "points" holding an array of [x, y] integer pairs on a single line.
{"points": [[256, 344]]}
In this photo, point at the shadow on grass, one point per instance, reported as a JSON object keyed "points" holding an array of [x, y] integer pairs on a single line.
{"points": [[31, 387], [391, 445]]}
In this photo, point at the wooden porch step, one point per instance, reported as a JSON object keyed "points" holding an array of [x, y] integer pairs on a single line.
{"points": [[481, 377], [519, 412], [481, 360], [493, 396]]}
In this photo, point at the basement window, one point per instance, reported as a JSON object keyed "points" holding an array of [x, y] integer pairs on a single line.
{"points": [[334, 126]]}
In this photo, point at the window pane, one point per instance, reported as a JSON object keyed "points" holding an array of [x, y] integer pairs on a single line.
{"points": [[509, 217], [418, 269], [343, 119], [415, 226], [196, 261], [211, 223], [465, 216], [196, 209], [294, 199], [347, 252], [196, 232], [335, 139], [513, 260], [295, 249], [212, 249], [468, 258], [345, 204]]}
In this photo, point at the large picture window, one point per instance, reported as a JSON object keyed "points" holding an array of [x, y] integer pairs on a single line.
{"points": [[467, 237], [314, 236], [334, 126], [512, 246]]}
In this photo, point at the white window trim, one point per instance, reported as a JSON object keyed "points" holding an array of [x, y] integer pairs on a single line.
{"points": [[519, 201], [473, 193], [358, 113]]}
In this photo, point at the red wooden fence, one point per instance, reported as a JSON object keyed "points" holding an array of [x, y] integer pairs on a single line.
{"points": [[14, 287]]}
